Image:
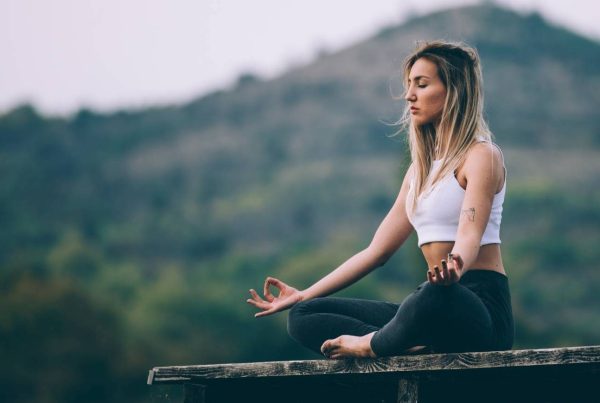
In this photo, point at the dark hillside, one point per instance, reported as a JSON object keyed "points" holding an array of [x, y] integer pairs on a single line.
{"points": [[154, 223]]}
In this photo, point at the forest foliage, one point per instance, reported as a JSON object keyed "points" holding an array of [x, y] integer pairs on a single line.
{"points": [[130, 239]]}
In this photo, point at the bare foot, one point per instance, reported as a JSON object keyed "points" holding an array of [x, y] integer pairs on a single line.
{"points": [[348, 346]]}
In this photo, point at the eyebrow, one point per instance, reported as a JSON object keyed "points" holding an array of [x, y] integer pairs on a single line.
{"points": [[418, 77]]}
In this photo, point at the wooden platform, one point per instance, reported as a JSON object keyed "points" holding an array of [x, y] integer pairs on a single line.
{"points": [[570, 374]]}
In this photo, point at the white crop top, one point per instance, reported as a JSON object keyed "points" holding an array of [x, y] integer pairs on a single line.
{"points": [[437, 211]]}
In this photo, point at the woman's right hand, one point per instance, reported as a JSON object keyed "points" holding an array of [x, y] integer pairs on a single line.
{"points": [[287, 297]]}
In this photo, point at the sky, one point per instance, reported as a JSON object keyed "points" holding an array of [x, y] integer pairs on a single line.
{"points": [[63, 55]]}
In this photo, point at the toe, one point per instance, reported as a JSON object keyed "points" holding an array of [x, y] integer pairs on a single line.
{"points": [[338, 341]]}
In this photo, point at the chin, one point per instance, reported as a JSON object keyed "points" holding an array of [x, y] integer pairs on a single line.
{"points": [[421, 122]]}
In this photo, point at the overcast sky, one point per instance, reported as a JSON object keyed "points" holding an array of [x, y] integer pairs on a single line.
{"points": [[61, 55]]}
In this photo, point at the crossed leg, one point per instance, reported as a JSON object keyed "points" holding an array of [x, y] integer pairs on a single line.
{"points": [[313, 322], [447, 317]]}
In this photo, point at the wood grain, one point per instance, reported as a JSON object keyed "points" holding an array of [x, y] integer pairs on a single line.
{"points": [[566, 356], [408, 390]]}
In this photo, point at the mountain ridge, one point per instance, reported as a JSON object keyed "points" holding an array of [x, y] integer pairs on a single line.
{"points": [[225, 144], [139, 232]]}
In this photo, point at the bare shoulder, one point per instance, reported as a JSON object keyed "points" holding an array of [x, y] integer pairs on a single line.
{"points": [[485, 161], [484, 153]]}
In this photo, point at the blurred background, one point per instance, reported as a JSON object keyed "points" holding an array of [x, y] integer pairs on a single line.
{"points": [[158, 159]]}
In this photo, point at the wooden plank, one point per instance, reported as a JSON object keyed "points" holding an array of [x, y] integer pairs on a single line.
{"points": [[408, 390], [301, 390], [589, 355], [544, 384], [150, 377]]}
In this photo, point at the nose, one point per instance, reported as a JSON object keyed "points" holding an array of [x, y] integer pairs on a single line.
{"points": [[410, 95]]}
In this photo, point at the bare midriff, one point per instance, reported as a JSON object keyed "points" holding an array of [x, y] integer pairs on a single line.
{"points": [[489, 257]]}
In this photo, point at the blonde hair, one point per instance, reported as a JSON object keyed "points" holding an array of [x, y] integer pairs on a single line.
{"points": [[461, 124]]}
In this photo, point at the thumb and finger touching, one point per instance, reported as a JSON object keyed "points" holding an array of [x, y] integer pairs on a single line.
{"points": [[449, 274], [267, 292], [271, 303], [457, 259]]}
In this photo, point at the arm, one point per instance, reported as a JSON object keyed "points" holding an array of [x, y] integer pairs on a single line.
{"points": [[390, 235], [484, 172]]}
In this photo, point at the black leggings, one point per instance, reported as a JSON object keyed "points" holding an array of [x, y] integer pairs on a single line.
{"points": [[474, 314]]}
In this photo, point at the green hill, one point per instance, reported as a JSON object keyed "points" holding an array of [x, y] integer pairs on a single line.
{"points": [[134, 236]]}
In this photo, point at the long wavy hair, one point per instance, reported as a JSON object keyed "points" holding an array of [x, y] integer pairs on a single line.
{"points": [[461, 124]]}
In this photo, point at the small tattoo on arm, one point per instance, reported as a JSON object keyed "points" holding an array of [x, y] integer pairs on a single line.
{"points": [[469, 213]]}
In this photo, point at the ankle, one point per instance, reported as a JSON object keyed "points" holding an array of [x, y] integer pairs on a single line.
{"points": [[369, 349]]}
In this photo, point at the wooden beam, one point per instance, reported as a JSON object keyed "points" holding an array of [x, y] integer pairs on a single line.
{"points": [[408, 390], [400, 364]]}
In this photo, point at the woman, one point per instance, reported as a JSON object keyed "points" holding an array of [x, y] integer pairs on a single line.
{"points": [[452, 195]]}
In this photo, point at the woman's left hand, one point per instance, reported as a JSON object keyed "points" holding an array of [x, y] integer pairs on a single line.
{"points": [[449, 274]]}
